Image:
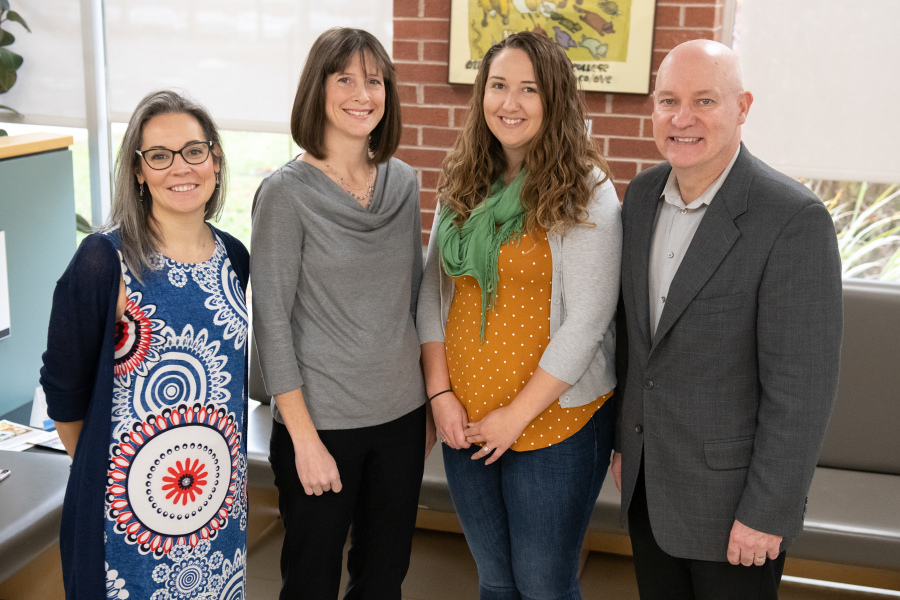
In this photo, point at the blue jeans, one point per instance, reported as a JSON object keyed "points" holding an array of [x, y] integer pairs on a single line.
{"points": [[525, 516]]}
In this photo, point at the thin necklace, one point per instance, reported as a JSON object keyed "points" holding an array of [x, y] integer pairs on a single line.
{"points": [[365, 198], [200, 254]]}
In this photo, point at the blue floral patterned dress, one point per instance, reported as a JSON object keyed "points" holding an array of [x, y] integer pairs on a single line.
{"points": [[176, 500]]}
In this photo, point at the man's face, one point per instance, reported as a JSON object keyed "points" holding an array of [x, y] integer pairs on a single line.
{"points": [[697, 113]]}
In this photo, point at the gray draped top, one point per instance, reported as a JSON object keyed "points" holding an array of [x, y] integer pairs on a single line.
{"points": [[334, 291]]}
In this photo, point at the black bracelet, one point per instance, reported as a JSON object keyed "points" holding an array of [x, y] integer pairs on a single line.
{"points": [[438, 394]]}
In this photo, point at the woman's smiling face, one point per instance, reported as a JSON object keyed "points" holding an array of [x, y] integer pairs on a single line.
{"points": [[354, 99], [181, 189], [513, 107]]}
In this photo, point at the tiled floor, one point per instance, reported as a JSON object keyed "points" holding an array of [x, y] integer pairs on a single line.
{"points": [[441, 568]]}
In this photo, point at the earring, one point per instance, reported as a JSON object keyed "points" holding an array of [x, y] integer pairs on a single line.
{"points": [[141, 198], [217, 181]]}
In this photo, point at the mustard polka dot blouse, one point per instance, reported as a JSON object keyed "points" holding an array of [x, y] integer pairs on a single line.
{"points": [[490, 375]]}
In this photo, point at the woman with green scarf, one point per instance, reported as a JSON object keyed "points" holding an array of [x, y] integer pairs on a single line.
{"points": [[516, 319]]}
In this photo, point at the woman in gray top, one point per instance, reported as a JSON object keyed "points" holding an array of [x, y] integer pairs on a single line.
{"points": [[336, 266]]}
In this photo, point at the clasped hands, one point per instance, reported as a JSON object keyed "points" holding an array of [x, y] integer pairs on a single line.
{"points": [[497, 431]]}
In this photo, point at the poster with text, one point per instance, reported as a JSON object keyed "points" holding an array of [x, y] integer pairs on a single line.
{"points": [[608, 41]]}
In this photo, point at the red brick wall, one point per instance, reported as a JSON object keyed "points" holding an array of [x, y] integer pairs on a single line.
{"points": [[433, 110]]}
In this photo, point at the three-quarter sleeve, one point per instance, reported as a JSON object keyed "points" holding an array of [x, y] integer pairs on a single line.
{"points": [[83, 308], [277, 242], [590, 280], [430, 316], [417, 250]]}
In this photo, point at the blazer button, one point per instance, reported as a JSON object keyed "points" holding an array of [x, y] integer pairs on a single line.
{"points": [[648, 385], [638, 429]]}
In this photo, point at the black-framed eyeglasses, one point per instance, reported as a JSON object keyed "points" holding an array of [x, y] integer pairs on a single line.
{"points": [[162, 158]]}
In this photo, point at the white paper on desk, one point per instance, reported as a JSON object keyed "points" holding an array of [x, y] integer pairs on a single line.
{"points": [[39, 416], [17, 437], [50, 439]]}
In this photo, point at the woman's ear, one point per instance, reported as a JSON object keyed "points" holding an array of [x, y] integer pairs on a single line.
{"points": [[140, 178], [217, 156]]}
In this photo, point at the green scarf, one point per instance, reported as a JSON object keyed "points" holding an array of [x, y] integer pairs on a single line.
{"points": [[474, 248]]}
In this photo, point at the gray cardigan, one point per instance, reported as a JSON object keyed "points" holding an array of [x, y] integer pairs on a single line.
{"points": [[584, 292], [334, 294]]}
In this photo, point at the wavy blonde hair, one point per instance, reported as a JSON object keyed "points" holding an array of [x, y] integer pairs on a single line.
{"points": [[559, 160]]}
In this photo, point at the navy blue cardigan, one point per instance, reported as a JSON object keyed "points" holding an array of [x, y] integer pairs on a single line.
{"points": [[77, 378]]}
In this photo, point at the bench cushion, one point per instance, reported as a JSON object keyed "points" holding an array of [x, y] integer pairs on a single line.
{"points": [[852, 518], [862, 434], [31, 500], [259, 430]]}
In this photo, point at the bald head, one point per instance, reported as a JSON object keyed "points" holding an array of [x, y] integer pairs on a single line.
{"points": [[698, 109], [720, 60]]}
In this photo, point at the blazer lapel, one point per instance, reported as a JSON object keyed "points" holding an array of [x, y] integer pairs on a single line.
{"points": [[646, 206], [713, 240]]}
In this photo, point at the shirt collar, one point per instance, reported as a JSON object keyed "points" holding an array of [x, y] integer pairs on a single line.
{"points": [[672, 194]]}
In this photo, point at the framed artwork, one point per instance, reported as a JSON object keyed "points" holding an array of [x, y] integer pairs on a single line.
{"points": [[610, 42]]}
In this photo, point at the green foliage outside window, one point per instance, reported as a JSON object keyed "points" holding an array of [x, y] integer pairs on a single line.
{"points": [[867, 220]]}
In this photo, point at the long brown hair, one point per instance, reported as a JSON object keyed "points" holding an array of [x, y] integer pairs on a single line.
{"points": [[331, 53], [559, 160]]}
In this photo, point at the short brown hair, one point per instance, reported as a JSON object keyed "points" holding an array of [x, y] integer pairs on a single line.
{"points": [[331, 53]]}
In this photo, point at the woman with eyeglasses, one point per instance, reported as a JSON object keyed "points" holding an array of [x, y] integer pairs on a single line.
{"points": [[144, 374], [337, 260]]}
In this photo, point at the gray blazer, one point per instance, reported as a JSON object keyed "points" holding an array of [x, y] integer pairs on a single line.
{"points": [[729, 400]]}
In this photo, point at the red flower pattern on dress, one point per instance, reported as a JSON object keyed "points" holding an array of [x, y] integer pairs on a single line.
{"points": [[134, 337], [186, 480], [205, 489]]}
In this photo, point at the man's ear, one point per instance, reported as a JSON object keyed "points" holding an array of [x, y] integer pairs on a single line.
{"points": [[745, 99]]}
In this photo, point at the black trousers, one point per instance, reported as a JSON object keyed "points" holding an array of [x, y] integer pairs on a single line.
{"points": [[661, 576], [381, 472]]}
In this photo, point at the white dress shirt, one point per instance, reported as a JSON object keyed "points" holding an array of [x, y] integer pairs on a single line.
{"points": [[676, 224]]}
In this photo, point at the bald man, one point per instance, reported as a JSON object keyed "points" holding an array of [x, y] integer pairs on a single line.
{"points": [[731, 297]]}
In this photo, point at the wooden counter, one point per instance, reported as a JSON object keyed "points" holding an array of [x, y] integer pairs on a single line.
{"points": [[32, 143]]}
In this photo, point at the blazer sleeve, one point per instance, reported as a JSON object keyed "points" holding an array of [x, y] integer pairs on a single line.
{"points": [[429, 315], [621, 333], [799, 327], [591, 266], [621, 370], [83, 300]]}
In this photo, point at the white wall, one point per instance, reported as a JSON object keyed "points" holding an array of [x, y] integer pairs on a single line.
{"points": [[50, 85], [241, 58], [825, 79]]}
